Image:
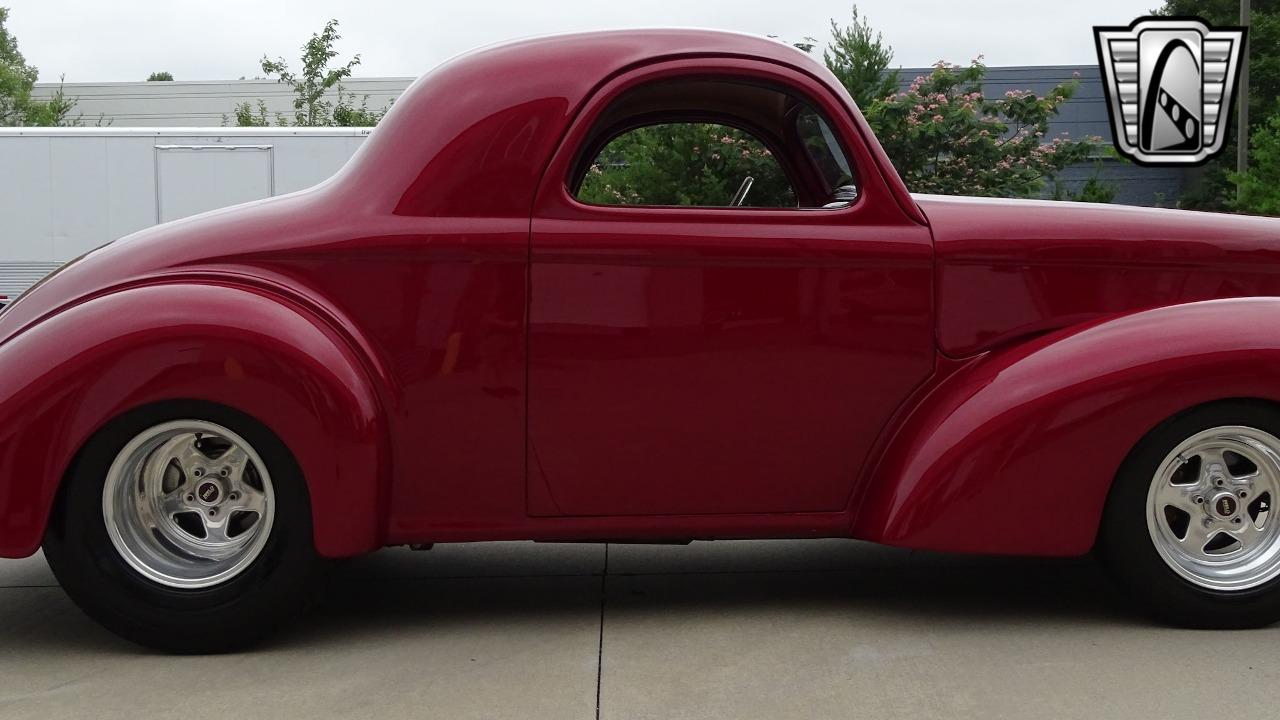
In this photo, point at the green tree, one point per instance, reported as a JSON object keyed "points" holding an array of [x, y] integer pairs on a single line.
{"points": [[17, 78], [860, 60], [943, 134], [162, 76], [319, 97], [946, 136], [1260, 186], [1094, 189], [1215, 189]]}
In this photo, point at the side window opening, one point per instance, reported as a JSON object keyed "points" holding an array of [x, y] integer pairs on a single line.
{"points": [[695, 164], [713, 143]]}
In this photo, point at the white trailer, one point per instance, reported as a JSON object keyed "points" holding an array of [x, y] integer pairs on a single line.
{"points": [[65, 191]]}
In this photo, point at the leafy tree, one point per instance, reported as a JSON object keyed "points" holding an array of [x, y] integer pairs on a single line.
{"points": [[248, 115], [685, 164], [946, 136], [943, 134], [1094, 190], [859, 59], [1215, 189], [162, 76], [314, 88], [1260, 186], [17, 78]]}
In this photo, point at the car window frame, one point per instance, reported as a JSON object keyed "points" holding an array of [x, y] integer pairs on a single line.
{"points": [[555, 199], [592, 150]]}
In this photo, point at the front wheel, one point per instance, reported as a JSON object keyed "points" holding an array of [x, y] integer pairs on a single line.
{"points": [[1190, 528], [185, 527]]}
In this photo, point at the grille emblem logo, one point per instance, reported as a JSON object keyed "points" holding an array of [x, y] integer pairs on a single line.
{"points": [[1169, 84]]}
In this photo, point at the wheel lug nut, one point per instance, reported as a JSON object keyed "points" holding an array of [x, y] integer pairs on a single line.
{"points": [[191, 498], [200, 471], [213, 511], [1243, 494], [233, 496], [1235, 520], [224, 472], [1199, 500], [1219, 483]]}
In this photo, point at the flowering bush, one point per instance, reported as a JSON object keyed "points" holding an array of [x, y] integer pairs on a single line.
{"points": [[946, 136]]}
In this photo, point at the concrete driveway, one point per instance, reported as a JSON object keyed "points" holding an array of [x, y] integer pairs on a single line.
{"points": [[810, 629]]}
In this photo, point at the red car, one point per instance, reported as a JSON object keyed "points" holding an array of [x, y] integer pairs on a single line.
{"points": [[497, 324]]}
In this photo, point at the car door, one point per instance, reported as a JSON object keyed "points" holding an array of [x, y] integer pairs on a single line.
{"points": [[688, 360]]}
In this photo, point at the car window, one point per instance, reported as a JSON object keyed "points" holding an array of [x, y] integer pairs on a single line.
{"points": [[694, 164], [823, 149]]}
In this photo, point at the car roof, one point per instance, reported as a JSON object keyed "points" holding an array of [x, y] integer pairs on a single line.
{"points": [[471, 137]]}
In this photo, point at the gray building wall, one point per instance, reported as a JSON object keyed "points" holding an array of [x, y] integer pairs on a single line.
{"points": [[198, 103]]}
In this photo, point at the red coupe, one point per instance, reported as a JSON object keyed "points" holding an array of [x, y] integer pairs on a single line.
{"points": [[486, 328]]}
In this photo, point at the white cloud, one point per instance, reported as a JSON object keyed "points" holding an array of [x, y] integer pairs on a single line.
{"points": [[223, 39]]}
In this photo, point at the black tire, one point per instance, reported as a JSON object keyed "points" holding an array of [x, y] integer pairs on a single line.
{"points": [[229, 616], [1127, 550]]}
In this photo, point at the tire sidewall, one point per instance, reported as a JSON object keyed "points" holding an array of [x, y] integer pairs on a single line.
{"points": [[234, 612], [1126, 545]]}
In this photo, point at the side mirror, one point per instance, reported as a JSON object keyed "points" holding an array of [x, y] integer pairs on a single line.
{"points": [[844, 196]]}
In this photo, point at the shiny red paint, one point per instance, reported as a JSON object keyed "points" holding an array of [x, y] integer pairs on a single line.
{"points": [[455, 349], [1053, 265]]}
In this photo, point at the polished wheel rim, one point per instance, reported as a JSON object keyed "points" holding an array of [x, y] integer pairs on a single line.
{"points": [[1209, 509], [188, 504]]}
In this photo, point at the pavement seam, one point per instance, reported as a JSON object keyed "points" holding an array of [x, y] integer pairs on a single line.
{"points": [[604, 593]]}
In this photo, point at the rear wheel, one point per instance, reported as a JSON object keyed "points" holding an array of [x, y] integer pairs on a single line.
{"points": [[185, 527], [1190, 526]]}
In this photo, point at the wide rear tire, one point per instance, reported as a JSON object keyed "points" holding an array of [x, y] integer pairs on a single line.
{"points": [[185, 527], [1189, 528]]}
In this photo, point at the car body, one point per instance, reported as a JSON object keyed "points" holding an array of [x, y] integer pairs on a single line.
{"points": [[453, 348]]}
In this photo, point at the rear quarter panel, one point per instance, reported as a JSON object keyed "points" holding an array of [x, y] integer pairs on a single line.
{"points": [[1015, 452], [1009, 270], [67, 376]]}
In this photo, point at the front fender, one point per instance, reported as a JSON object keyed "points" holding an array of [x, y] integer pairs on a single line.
{"points": [[65, 377], [1015, 453]]}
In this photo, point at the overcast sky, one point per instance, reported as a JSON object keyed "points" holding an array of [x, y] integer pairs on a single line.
{"points": [[223, 39]]}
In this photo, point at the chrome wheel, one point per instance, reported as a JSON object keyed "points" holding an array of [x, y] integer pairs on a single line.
{"points": [[188, 504], [1209, 508]]}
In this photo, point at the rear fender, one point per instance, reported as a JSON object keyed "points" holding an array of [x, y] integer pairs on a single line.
{"points": [[65, 377], [1015, 453]]}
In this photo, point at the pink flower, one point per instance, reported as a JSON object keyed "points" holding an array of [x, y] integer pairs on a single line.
{"points": [[937, 118]]}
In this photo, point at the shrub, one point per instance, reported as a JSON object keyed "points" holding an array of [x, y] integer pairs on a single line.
{"points": [[946, 136]]}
